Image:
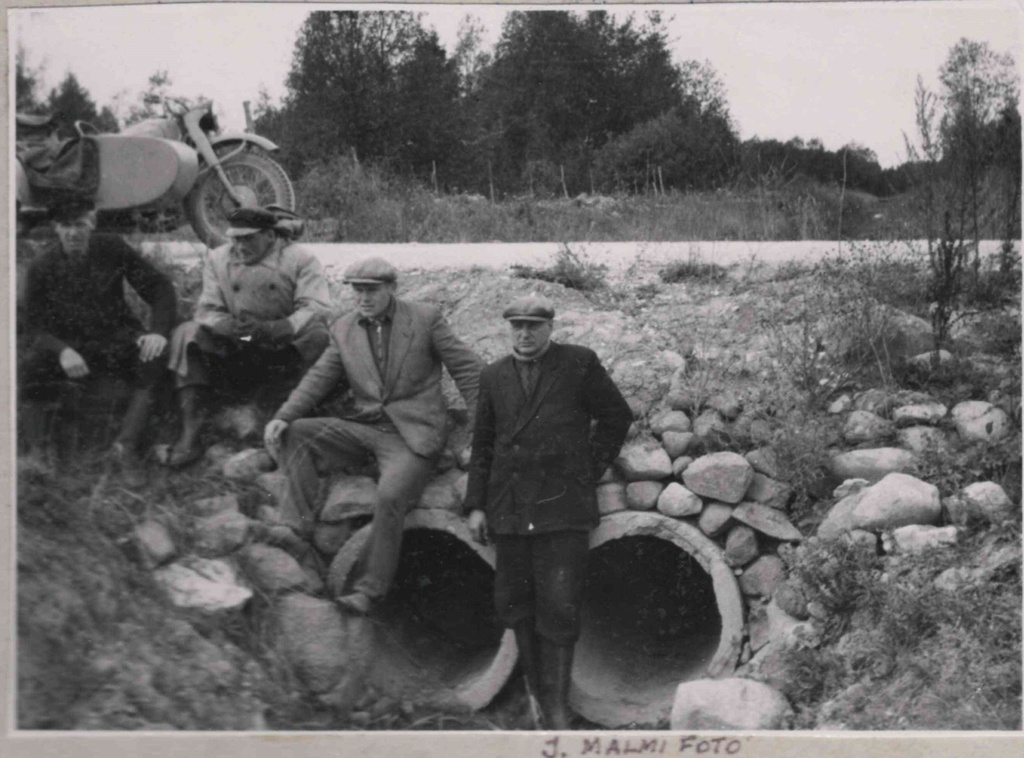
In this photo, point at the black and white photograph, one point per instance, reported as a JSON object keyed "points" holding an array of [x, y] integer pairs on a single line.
{"points": [[601, 379]]}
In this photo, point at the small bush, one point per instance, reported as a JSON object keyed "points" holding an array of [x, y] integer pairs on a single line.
{"points": [[570, 269], [692, 269]]}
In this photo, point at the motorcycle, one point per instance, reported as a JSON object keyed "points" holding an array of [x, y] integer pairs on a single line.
{"points": [[184, 160]]}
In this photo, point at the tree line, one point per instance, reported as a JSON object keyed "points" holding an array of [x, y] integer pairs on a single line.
{"points": [[567, 103]]}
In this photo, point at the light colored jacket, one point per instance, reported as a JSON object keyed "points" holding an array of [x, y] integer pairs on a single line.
{"points": [[288, 283], [410, 393]]}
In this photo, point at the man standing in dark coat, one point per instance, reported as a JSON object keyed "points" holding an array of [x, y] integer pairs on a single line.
{"points": [[78, 324], [531, 487]]}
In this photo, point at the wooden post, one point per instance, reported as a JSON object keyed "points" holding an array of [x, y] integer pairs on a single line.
{"points": [[248, 116], [490, 179], [433, 175], [564, 190], [661, 181]]}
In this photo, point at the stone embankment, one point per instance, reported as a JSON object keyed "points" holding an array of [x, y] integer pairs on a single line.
{"points": [[700, 452]]}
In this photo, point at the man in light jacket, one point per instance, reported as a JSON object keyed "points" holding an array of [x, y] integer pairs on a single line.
{"points": [[536, 458], [388, 353], [261, 314]]}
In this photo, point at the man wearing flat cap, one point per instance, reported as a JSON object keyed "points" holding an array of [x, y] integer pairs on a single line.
{"points": [[388, 353], [261, 315], [78, 325], [548, 423]]}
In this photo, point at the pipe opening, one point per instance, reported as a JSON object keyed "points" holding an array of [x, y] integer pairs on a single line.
{"points": [[437, 640], [650, 620], [437, 624], [660, 607]]}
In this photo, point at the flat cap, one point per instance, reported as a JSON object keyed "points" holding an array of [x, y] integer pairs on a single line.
{"points": [[371, 271], [246, 221], [530, 308]]}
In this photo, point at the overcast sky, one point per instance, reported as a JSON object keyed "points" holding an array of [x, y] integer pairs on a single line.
{"points": [[840, 72]]}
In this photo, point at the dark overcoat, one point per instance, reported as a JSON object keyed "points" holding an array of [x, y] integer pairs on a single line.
{"points": [[536, 459]]}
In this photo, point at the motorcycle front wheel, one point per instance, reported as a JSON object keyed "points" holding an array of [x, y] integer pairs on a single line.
{"points": [[259, 180]]}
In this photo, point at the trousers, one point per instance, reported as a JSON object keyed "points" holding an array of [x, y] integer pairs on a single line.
{"points": [[542, 576], [313, 445]]}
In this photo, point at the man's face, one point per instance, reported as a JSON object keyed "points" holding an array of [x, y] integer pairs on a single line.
{"points": [[254, 247], [530, 337], [372, 299], [74, 233]]}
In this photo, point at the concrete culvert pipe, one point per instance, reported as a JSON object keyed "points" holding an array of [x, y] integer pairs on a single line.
{"points": [[437, 641], [661, 607]]}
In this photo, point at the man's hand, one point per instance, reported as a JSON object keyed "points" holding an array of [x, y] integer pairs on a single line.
{"points": [[272, 437], [478, 526], [151, 346], [74, 365], [272, 332]]}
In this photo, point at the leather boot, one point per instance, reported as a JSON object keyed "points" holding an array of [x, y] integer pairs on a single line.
{"points": [[556, 671], [125, 450], [527, 642], [193, 415]]}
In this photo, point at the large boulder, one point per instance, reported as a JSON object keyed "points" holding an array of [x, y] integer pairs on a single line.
{"points": [[670, 421], [643, 496], [348, 497], [920, 439], [740, 545], [711, 431], [761, 577], [677, 443], [977, 420], [644, 461], [321, 647], [765, 461], [981, 500], [153, 544], [919, 414], [872, 464], [897, 500], [733, 704], [721, 476], [767, 491], [248, 464], [210, 586], [611, 498], [768, 521], [864, 426], [272, 570], [916, 538], [714, 519], [677, 501], [221, 533], [445, 492]]}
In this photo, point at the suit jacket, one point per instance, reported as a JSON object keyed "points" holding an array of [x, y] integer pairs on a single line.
{"points": [[535, 460], [410, 393]]}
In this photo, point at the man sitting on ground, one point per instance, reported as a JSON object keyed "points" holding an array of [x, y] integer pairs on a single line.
{"points": [[79, 325], [389, 353], [261, 315]]}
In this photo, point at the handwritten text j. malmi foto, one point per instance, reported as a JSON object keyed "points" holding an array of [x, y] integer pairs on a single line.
{"points": [[676, 745]]}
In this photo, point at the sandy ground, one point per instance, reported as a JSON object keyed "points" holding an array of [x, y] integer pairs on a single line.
{"points": [[618, 256]]}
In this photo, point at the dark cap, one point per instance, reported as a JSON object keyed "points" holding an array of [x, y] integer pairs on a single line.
{"points": [[530, 308], [371, 271], [246, 221]]}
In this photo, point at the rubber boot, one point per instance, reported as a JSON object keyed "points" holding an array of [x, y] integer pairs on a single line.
{"points": [[527, 642], [193, 416], [556, 673], [126, 446], [36, 425]]}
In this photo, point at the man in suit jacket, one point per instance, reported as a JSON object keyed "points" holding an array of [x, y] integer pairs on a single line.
{"points": [[388, 353], [532, 486]]}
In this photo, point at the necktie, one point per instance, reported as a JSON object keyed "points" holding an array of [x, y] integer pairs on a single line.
{"points": [[378, 342], [532, 371]]}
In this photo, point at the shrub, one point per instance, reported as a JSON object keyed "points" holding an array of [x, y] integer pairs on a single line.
{"points": [[569, 269], [680, 271]]}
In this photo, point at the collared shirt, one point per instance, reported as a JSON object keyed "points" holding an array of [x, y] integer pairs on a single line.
{"points": [[528, 369], [378, 331]]}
